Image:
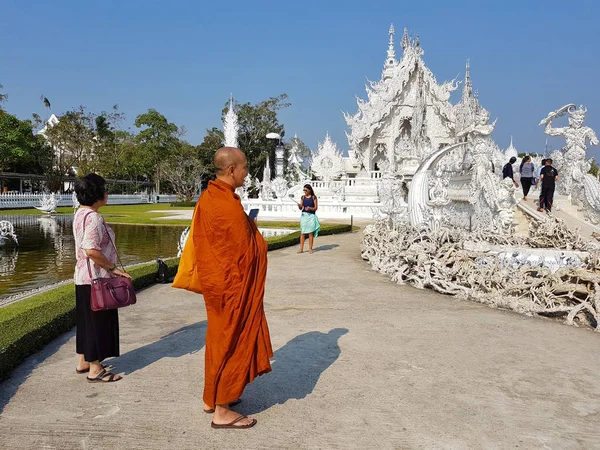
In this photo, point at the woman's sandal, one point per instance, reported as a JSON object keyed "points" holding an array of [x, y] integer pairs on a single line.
{"points": [[88, 369], [231, 425], [100, 377], [231, 405]]}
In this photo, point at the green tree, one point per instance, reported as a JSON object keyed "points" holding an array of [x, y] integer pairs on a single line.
{"points": [[157, 141], [255, 122], [206, 152], [19, 147]]}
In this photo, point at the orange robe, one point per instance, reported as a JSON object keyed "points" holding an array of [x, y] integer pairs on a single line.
{"points": [[225, 259]]}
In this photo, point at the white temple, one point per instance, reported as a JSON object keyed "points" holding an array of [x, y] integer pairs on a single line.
{"points": [[406, 116], [405, 122]]}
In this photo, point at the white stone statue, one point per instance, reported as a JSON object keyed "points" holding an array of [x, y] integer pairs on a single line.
{"points": [[573, 165], [48, 203], [327, 164], [230, 126], [295, 166], [279, 187], [244, 191], [266, 188], [182, 241], [76, 204], [7, 231]]}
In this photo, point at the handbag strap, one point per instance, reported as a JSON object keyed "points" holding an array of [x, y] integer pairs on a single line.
{"points": [[111, 241]]}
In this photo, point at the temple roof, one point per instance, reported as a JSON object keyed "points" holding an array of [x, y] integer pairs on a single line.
{"points": [[386, 94]]}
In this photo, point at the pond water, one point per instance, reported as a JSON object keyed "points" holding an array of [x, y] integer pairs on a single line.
{"points": [[46, 251]]}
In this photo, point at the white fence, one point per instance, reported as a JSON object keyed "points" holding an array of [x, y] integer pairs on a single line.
{"points": [[327, 210], [15, 200]]}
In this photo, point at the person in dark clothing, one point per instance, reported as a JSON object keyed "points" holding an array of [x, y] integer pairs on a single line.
{"points": [[549, 176], [507, 170]]}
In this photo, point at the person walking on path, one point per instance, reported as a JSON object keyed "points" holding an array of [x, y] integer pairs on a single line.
{"points": [[549, 176], [225, 260], [527, 175], [309, 223], [97, 335], [507, 170]]}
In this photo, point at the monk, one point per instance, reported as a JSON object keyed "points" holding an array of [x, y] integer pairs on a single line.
{"points": [[225, 259]]}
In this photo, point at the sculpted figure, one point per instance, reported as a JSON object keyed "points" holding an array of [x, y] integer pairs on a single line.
{"points": [[574, 164]]}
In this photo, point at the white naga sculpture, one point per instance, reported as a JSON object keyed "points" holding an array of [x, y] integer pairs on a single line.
{"points": [[479, 198], [7, 231], [48, 203], [571, 162]]}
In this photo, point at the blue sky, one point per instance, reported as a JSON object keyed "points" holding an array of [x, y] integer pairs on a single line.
{"points": [[184, 58]]}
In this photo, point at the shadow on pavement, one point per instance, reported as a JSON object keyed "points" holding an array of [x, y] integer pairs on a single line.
{"points": [[186, 340], [324, 248], [297, 367]]}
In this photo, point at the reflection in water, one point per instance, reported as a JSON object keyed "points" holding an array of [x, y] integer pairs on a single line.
{"points": [[8, 261], [46, 254]]}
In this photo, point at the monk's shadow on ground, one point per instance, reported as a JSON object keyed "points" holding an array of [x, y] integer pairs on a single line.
{"points": [[297, 367], [324, 248], [184, 341]]}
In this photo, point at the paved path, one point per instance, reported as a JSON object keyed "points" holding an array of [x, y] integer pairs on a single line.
{"points": [[359, 363]]}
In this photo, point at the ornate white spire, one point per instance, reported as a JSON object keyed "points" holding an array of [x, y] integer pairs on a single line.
{"points": [[230, 126], [391, 53], [511, 150], [468, 87], [405, 41]]}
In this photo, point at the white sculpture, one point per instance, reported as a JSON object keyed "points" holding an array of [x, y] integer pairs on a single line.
{"points": [[48, 203], [279, 187], [573, 165], [266, 189], [295, 166], [407, 114], [7, 231], [244, 191], [230, 126], [327, 164], [76, 203], [182, 241], [518, 277]]}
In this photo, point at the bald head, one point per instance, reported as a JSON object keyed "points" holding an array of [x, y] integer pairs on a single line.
{"points": [[231, 166], [227, 157]]}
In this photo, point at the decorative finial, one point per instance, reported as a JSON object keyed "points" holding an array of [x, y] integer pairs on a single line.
{"points": [[468, 87], [391, 53], [405, 42]]}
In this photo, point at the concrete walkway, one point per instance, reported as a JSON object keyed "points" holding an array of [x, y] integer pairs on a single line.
{"points": [[359, 363]]}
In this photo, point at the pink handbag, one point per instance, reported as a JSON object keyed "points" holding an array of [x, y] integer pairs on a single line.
{"points": [[113, 292]]}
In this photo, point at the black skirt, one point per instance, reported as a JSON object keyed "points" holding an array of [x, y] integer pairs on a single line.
{"points": [[97, 331]]}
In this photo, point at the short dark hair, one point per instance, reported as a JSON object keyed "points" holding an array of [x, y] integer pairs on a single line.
{"points": [[548, 160], [543, 162], [512, 160], [90, 189]]}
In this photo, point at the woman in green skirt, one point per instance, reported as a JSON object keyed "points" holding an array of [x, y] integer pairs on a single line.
{"points": [[309, 223]]}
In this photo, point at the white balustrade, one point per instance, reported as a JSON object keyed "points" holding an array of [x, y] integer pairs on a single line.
{"points": [[11, 200], [327, 209]]}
